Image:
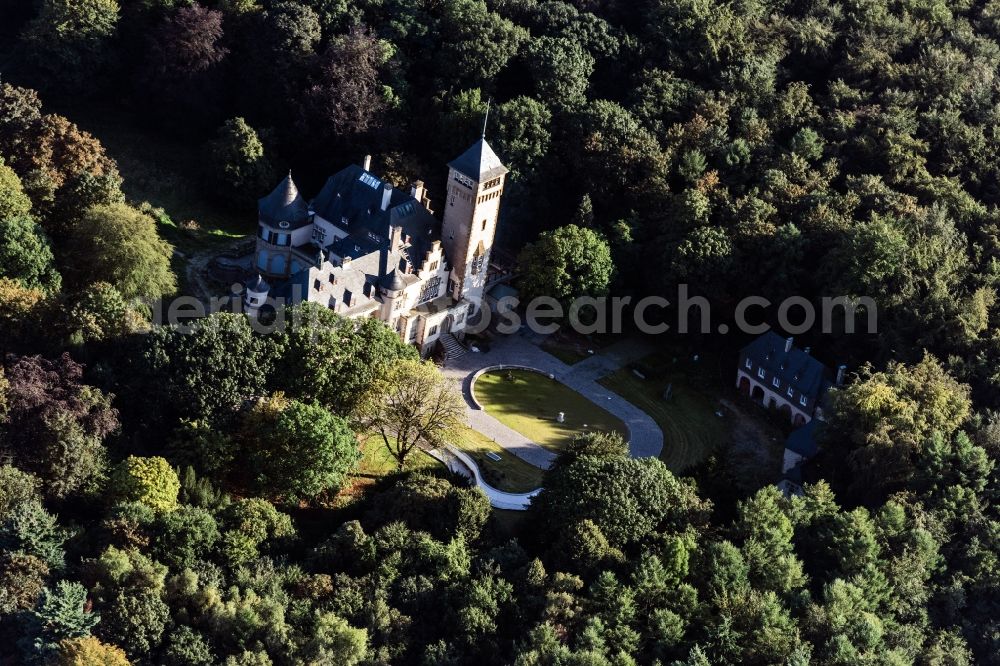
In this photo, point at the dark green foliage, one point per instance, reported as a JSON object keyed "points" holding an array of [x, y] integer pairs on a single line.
{"points": [[30, 529], [186, 647], [434, 505], [120, 245], [331, 360], [184, 535], [135, 622], [753, 148], [68, 41], [626, 498], [210, 369], [299, 450], [60, 613], [564, 264], [239, 163], [22, 579]]}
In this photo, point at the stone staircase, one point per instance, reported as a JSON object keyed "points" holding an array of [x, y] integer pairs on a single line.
{"points": [[453, 349]]}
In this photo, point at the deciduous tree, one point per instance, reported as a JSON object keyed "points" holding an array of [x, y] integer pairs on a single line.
{"points": [[120, 245], [411, 405]]}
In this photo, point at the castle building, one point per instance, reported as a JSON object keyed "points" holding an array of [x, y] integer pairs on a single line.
{"points": [[363, 248]]}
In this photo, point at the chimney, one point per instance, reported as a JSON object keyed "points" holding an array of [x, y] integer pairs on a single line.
{"points": [[841, 370], [367, 164], [386, 196], [417, 190], [788, 344]]}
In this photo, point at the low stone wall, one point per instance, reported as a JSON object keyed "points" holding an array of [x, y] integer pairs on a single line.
{"points": [[498, 498]]}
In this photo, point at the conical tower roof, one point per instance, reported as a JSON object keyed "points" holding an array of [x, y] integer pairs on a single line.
{"points": [[284, 204], [258, 284], [479, 162]]}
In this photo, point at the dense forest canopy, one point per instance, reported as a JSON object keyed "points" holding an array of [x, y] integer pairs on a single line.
{"points": [[147, 511]]}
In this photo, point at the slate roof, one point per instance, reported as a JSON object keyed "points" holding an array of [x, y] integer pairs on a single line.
{"points": [[794, 367], [352, 200], [803, 440], [479, 162], [284, 204], [258, 284]]}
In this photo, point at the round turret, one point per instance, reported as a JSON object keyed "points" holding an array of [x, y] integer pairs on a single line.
{"points": [[256, 292]]}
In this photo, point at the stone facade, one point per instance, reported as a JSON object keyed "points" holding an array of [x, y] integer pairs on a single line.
{"points": [[364, 248]]}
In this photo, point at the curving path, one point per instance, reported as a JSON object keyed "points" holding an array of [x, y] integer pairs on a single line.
{"points": [[461, 463], [645, 437]]}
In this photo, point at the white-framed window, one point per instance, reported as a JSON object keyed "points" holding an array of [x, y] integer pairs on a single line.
{"points": [[430, 290], [760, 372], [790, 391], [775, 382], [803, 400], [748, 364]]}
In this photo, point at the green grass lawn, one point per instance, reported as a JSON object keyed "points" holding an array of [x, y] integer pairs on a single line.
{"points": [[376, 461], [567, 354], [691, 430], [531, 402], [510, 473]]}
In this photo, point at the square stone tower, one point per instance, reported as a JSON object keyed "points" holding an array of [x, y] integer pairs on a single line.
{"points": [[475, 185]]}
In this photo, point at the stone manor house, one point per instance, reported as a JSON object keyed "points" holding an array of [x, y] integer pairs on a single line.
{"points": [[363, 248], [779, 375]]}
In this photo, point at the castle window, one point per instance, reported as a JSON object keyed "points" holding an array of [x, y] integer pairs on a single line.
{"points": [[430, 290], [347, 297], [803, 400], [317, 285], [434, 266], [760, 372], [775, 382], [790, 391], [434, 329], [484, 224], [748, 364], [413, 333], [477, 263], [333, 278]]}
